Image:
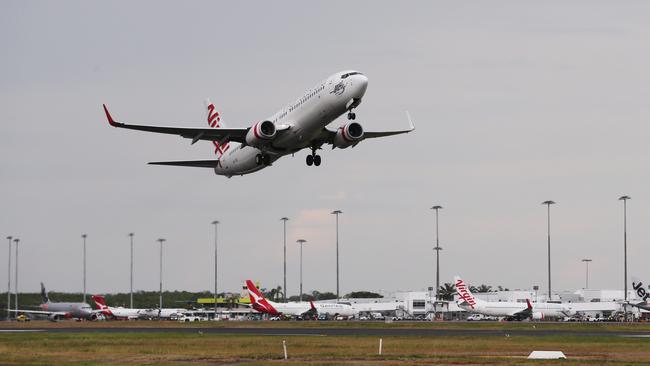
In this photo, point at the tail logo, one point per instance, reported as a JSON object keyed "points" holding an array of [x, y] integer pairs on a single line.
{"points": [[213, 121], [464, 293], [640, 291]]}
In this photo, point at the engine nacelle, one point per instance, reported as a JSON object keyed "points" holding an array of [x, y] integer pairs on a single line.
{"points": [[261, 134], [348, 135], [538, 316], [55, 317]]}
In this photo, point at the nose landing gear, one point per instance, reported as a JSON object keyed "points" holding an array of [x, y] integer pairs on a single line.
{"points": [[351, 116]]}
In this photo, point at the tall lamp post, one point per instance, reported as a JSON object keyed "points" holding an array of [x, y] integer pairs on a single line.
{"points": [[548, 215], [16, 241], [437, 249], [161, 241], [586, 261], [216, 225], [284, 288], [337, 212], [9, 281], [624, 199], [301, 242], [84, 264], [131, 296]]}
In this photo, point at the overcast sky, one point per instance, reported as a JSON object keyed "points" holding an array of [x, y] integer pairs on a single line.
{"points": [[514, 103]]}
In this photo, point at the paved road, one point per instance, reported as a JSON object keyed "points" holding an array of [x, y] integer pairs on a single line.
{"points": [[384, 332]]}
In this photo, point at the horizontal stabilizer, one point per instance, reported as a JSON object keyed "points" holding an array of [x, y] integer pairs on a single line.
{"points": [[192, 163]]}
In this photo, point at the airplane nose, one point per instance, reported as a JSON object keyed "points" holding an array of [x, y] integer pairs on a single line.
{"points": [[361, 82]]}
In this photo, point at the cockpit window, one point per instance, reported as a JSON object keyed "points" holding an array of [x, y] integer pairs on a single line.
{"points": [[350, 74]]}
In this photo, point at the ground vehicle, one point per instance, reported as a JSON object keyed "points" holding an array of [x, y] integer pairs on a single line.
{"points": [[22, 318], [189, 316]]}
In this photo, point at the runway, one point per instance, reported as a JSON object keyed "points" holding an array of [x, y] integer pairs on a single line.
{"points": [[330, 331]]}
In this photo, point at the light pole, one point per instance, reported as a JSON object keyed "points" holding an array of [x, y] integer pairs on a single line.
{"points": [[337, 212], [301, 242], [9, 281], [131, 297], [216, 224], [624, 199], [161, 241], [548, 214], [437, 249], [284, 289], [16, 241], [586, 260], [84, 238]]}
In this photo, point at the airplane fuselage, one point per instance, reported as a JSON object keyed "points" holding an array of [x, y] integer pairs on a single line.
{"points": [[304, 119]]}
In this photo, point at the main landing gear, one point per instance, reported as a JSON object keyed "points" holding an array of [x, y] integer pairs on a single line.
{"points": [[313, 159], [262, 159]]}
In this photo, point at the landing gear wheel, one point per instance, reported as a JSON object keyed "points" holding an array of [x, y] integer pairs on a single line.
{"points": [[352, 116], [310, 160], [317, 160], [258, 159]]}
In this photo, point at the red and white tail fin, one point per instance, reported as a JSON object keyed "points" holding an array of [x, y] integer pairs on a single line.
{"points": [[464, 293], [101, 304], [214, 120], [258, 301], [99, 300]]}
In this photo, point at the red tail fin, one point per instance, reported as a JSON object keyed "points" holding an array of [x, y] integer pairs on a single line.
{"points": [[530, 306], [99, 300]]}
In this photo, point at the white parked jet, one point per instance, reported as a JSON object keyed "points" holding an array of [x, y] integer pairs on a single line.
{"points": [[305, 308], [120, 313], [508, 309], [301, 124]]}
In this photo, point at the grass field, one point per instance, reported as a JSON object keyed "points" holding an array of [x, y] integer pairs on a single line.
{"points": [[196, 348]]}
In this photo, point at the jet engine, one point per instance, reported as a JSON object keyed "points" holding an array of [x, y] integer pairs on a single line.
{"points": [[55, 317], [538, 316], [260, 134], [348, 135]]}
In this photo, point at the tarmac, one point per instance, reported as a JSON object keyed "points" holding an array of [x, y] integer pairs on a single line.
{"points": [[329, 331]]}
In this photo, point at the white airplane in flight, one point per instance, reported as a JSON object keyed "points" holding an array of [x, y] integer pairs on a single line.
{"points": [[508, 309], [299, 125], [305, 308]]}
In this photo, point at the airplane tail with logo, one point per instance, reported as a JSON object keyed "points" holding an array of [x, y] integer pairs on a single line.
{"points": [[44, 297], [101, 304], [214, 120], [464, 293], [258, 301]]}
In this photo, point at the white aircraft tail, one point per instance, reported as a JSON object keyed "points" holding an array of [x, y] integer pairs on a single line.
{"points": [[464, 294], [214, 120]]}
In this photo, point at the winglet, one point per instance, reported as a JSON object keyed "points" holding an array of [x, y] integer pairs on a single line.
{"points": [[311, 303], [408, 116], [110, 119]]}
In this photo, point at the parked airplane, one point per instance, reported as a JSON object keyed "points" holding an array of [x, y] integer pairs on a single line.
{"points": [[642, 293], [301, 309], [299, 125], [121, 313], [165, 313], [508, 309], [63, 310]]}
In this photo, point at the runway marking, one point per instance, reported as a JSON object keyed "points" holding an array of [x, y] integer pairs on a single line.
{"points": [[636, 336]]}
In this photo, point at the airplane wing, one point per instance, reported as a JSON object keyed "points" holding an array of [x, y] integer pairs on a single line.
{"points": [[222, 135], [41, 312], [327, 136], [191, 163], [526, 313], [371, 134]]}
